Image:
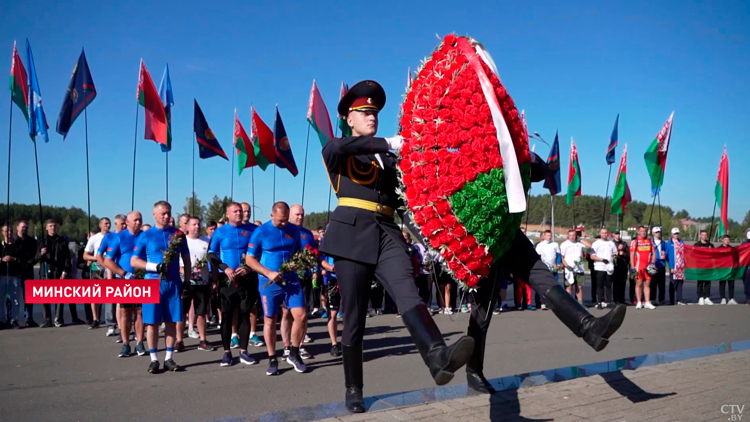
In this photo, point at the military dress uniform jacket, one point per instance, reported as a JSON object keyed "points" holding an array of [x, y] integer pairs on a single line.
{"points": [[355, 172]]}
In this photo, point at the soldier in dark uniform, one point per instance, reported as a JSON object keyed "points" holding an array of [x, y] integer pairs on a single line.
{"points": [[366, 243]]}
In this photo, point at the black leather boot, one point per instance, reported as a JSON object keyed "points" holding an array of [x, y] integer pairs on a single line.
{"points": [[442, 360], [475, 368], [595, 331], [352, 356]]}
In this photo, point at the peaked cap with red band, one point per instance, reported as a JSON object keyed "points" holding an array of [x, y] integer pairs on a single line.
{"points": [[365, 95]]}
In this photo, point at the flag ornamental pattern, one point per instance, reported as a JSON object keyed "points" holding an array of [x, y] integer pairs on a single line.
{"points": [[318, 117], [167, 100], [242, 144], [37, 119], [342, 124], [613, 142], [19, 86], [284, 156], [574, 174], [552, 182], [621, 195], [155, 116], [656, 156], [262, 139], [716, 263], [722, 193], [208, 145], [81, 92]]}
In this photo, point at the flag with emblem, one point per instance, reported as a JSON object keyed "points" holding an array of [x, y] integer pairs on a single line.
{"points": [[721, 191], [284, 157], [19, 86], [208, 146], [262, 139], [167, 100], [81, 92], [552, 182], [613, 142], [148, 98], [656, 156], [343, 126], [245, 151], [574, 174], [621, 195], [37, 119], [318, 117]]}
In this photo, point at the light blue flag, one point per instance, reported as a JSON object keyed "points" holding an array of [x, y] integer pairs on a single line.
{"points": [[37, 119], [167, 100]]}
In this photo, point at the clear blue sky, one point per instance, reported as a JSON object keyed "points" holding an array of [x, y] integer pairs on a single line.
{"points": [[571, 65]]}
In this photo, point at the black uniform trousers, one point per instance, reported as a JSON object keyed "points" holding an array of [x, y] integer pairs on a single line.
{"points": [[619, 283], [393, 270], [658, 282], [54, 274]]}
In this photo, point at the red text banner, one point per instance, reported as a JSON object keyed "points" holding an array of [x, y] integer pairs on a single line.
{"points": [[92, 291]]}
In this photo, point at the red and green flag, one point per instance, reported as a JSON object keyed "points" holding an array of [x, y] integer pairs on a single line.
{"points": [[722, 263], [621, 195], [343, 126], [722, 195], [262, 138], [19, 87], [574, 174], [243, 145], [148, 98], [656, 156], [317, 115]]}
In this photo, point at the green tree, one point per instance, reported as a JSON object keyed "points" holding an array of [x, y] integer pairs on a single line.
{"points": [[682, 214], [217, 208], [194, 207]]}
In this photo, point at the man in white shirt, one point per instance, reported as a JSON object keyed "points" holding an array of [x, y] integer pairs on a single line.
{"points": [[604, 253], [549, 251], [89, 254], [572, 258], [197, 289]]}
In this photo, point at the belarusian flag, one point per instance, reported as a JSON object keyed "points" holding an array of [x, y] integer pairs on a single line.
{"points": [[621, 195], [722, 263], [242, 144], [19, 87], [148, 97], [262, 138], [656, 156], [574, 174], [722, 193], [343, 126], [317, 115]]}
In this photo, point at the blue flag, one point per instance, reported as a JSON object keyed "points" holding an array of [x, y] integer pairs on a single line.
{"points": [[553, 162], [208, 146], [81, 91], [284, 157], [37, 119], [167, 100], [613, 142]]}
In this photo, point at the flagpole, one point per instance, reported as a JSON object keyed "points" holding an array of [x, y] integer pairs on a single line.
{"points": [[167, 171], [192, 208], [528, 208], [252, 182], [231, 189], [10, 137], [658, 196], [135, 145], [304, 174], [711, 227], [552, 208], [575, 225], [39, 189], [88, 187], [274, 184], [606, 195], [661, 178]]}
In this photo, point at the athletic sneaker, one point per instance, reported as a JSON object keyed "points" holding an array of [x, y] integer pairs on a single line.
{"points": [[204, 346], [639, 306], [179, 347], [226, 360], [325, 315], [110, 332], [544, 307], [171, 366], [531, 307], [118, 339], [273, 367], [153, 367], [297, 363], [732, 302], [707, 301], [286, 353], [59, 324], [335, 351], [140, 349], [648, 305], [235, 343], [125, 351], [304, 354], [701, 302], [723, 302], [307, 339], [94, 325], [254, 341], [193, 334], [46, 324], [246, 359]]}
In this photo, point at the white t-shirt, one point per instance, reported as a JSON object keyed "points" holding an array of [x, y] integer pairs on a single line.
{"points": [[548, 251], [604, 249], [572, 253], [92, 246], [198, 249]]}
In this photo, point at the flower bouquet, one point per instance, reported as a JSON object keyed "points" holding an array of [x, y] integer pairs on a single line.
{"points": [[464, 163], [174, 249], [299, 262], [555, 268]]}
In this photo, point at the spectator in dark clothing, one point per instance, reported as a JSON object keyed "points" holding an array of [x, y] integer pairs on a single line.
{"points": [[27, 247], [622, 266], [53, 251], [704, 286]]}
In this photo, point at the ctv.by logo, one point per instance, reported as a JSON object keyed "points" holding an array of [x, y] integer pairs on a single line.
{"points": [[734, 411]]}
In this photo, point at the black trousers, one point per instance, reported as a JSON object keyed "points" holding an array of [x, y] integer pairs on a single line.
{"points": [[675, 287], [658, 282], [747, 285], [376, 296], [704, 289], [722, 289], [595, 286], [393, 270], [423, 287], [604, 287], [619, 284]]}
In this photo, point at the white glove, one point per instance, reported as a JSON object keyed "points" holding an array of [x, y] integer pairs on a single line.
{"points": [[395, 142]]}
